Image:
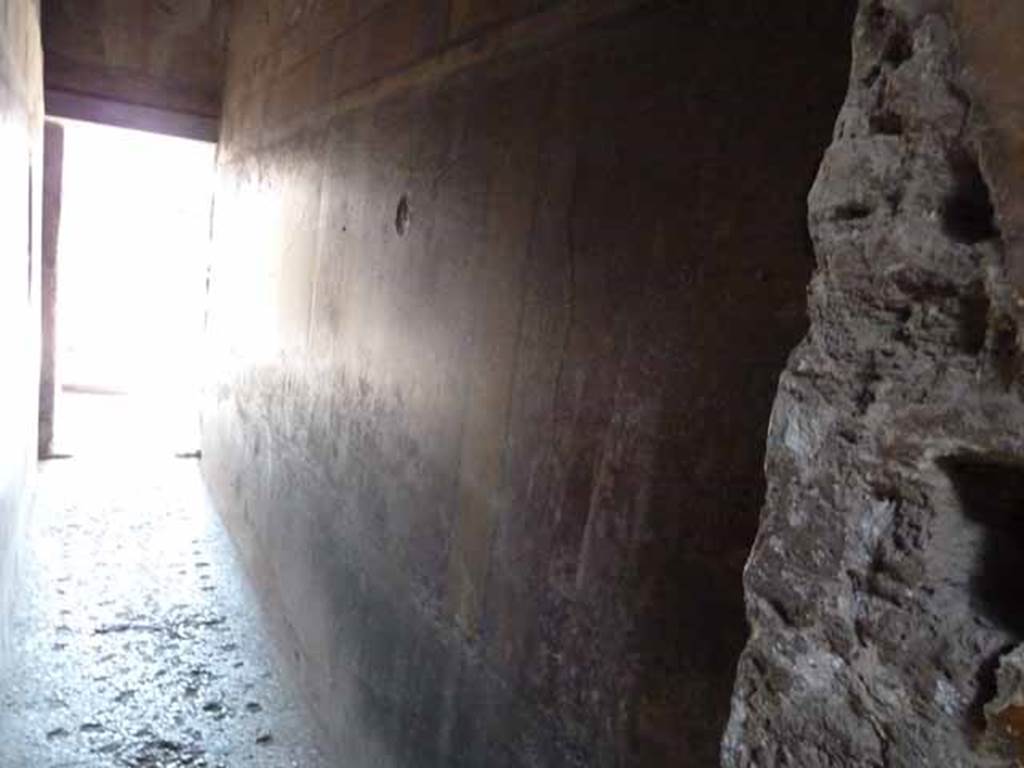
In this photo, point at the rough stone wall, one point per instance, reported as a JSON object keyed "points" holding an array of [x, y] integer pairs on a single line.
{"points": [[500, 295], [883, 587], [21, 126]]}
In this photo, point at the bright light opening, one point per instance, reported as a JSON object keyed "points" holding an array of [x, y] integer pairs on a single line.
{"points": [[133, 254]]}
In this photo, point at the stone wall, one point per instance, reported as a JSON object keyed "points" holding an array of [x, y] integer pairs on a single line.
{"points": [[150, 64], [21, 127], [883, 585], [500, 296]]}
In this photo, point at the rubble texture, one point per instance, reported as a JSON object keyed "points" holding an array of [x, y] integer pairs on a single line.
{"points": [[882, 587]]}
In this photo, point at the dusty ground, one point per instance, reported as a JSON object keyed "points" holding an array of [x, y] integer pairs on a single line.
{"points": [[136, 641]]}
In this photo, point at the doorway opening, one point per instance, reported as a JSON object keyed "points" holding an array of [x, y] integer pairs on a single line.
{"points": [[130, 269]]}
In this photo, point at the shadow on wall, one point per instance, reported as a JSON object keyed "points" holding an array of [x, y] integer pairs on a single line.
{"points": [[991, 496]]}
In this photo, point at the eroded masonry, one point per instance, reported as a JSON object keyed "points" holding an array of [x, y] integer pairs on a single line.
{"points": [[885, 612]]}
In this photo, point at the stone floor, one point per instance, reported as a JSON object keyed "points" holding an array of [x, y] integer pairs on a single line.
{"points": [[136, 641]]}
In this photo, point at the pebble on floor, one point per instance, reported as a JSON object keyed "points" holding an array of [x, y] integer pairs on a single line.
{"points": [[136, 641]]}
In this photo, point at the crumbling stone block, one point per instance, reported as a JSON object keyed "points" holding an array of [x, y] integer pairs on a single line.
{"points": [[881, 589]]}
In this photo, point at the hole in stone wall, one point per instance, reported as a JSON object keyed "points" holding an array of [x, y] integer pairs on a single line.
{"points": [[1005, 358], [974, 310], [899, 47], [886, 123], [894, 199], [991, 493], [872, 76], [884, 24], [878, 16], [852, 212], [967, 213], [868, 381], [988, 685], [402, 216]]}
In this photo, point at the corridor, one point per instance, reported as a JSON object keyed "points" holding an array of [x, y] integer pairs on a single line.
{"points": [[136, 641], [511, 383]]}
